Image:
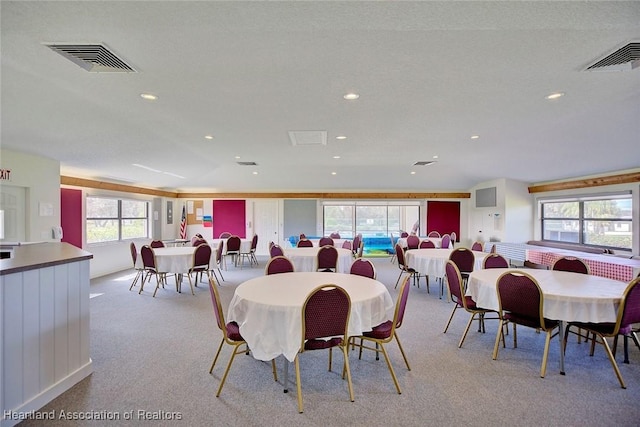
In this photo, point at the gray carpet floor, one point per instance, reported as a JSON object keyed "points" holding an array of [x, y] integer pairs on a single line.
{"points": [[151, 358]]}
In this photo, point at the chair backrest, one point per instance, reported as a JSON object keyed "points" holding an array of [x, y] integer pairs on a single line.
{"points": [[327, 258], [219, 250], [477, 246], [217, 307], [572, 264], [464, 259], [363, 267], [148, 258], [356, 243], [433, 234], [305, 243], [520, 295], [335, 235], [325, 313], [446, 239], [254, 243], [404, 234], [134, 253], [360, 249], [400, 256], [346, 244], [413, 241], [324, 241], [196, 241], [630, 304], [531, 264], [302, 236], [493, 249], [401, 303], [224, 235], [495, 261], [233, 244], [201, 257], [427, 244], [276, 250], [279, 264], [454, 281], [454, 236], [157, 244]]}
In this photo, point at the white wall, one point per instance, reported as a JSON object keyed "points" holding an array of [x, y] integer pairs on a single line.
{"points": [[41, 178]]}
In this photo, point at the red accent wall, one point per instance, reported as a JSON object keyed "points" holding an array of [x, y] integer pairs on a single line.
{"points": [[443, 217], [71, 216], [229, 215]]}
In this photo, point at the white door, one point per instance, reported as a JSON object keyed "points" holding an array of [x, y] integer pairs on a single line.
{"points": [[265, 220], [12, 204]]}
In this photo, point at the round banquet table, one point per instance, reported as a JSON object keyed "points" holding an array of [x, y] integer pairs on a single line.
{"points": [[306, 259], [568, 297], [170, 259], [437, 241], [268, 309]]}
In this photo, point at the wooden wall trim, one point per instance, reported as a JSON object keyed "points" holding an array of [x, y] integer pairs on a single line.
{"points": [[89, 183], [372, 196], [587, 182]]}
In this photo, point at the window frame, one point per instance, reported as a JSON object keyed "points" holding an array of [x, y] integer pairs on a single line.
{"points": [[119, 219], [582, 219]]}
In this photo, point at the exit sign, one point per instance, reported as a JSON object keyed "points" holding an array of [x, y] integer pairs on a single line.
{"points": [[5, 174]]}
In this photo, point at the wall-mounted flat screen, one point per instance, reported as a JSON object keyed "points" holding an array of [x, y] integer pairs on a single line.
{"points": [[486, 197]]}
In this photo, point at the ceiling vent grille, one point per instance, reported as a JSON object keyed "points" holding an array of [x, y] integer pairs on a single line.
{"points": [[308, 137], [95, 58], [625, 58], [424, 163], [247, 163]]}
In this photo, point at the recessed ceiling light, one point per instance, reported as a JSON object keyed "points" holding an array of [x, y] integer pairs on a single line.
{"points": [[341, 137], [555, 95], [255, 172], [148, 96], [336, 157], [334, 173], [208, 137], [237, 157], [435, 157], [413, 172], [351, 96], [475, 136]]}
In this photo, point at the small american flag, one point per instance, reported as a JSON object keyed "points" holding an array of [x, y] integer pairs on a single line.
{"points": [[183, 224]]}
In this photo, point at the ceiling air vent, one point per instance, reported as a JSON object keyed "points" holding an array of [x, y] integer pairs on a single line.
{"points": [[625, 58], [95, 58], [308, 137], [247, 163], [424, 163]]}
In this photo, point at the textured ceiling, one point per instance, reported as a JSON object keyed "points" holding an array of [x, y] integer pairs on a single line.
{"points": [[429, 74]]}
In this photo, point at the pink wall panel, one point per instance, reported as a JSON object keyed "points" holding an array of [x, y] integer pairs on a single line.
{"points": [[229, 215], [71, 216], [443, 217]]}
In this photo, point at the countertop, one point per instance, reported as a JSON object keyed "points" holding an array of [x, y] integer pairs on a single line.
{"points": [[39, 255]]}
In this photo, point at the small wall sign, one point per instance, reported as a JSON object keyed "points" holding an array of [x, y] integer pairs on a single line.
{"points": [[5, 174]]}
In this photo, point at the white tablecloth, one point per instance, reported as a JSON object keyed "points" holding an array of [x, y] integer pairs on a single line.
{"points": [[568, 296], [175, 260], [306, 259], [268, 309], [432, 261]]}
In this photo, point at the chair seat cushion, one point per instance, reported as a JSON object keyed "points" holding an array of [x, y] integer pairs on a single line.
{"points": [[603, 328], [233, 332], [319, 344], [532, 322], [382, 331]]}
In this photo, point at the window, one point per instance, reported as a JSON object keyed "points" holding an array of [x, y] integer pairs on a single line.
{"points": [[111, 220], [603, 221], [370, 219]]}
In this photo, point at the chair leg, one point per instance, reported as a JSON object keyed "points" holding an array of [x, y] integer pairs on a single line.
{"points": [[466, 330], [613, 362], [215, 359], [545, 355], [404, 356], [226, 372], [345, 354], [455, 307], [497, 344], [298, 384], [393, 374], [398, 281]]}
